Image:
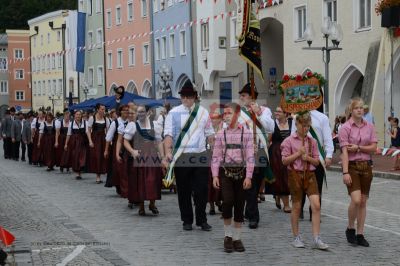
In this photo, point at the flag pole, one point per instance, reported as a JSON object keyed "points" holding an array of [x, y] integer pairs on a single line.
{"points": [[253, 97]]}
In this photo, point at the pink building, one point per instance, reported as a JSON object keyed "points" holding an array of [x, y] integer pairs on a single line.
{"points": [[127, 46]]}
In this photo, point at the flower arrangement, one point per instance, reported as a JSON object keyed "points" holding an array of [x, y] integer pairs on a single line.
{"points": [[300, 78], [382, 4]]}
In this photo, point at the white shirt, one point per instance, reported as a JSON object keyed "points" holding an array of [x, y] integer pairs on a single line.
{"points": [[175, 121], [131, 129], [76, 126], [41, 128], [58, 124], [33, 124], [111, 131], [320, 122]]}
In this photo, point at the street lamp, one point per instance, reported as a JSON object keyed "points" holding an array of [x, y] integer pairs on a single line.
{"points": [[330, 30], [52, 97], [85, 89]]}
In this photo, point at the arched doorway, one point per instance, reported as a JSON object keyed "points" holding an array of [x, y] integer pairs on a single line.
{"points": [[132, 88], [179, 84], [146, 90], [111, 91], [392, 95], [349, 86], [271, 31]]}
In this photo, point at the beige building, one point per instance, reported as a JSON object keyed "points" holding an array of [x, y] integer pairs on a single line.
{"points": [[362, 68]]}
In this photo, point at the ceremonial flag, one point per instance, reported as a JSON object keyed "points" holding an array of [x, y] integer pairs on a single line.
{"points": [[6, 237], [77, 24], [249, 36]]}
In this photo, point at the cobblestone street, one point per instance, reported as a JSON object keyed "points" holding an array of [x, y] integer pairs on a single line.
{"points": [[54, 217]]}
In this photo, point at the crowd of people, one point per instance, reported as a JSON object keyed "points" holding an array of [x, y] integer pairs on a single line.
{"points": [[228, 157]]}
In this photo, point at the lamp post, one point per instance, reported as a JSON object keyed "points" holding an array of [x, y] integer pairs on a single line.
{"points": [[330, 30], [52, 97], [85, 89]]}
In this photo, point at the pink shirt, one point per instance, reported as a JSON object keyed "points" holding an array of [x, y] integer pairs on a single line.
{"points": [[292, 144], [233, 136], [363, 135]]}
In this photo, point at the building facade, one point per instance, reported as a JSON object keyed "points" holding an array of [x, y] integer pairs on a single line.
{"points": [[362, 68], [19, 80], [92, 81], [4, 85], [53, 78], [172, 46], [128, 46], [221, 73]]}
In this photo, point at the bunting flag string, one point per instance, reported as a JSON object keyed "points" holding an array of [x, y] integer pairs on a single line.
{"points": [[132, 37]]}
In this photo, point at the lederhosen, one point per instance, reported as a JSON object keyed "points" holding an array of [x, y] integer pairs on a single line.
{"points": [[37, 155], [97, 164], [47, 144], [144, 172], [77, 147], [231, 181], [61, 142]]}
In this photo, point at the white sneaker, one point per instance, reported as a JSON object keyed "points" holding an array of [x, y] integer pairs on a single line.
{"points": [[298, 242], [318, 244]]}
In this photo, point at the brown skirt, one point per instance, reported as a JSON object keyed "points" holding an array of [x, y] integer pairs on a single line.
{"points": [[281, 185], [60, 149], [37, 155], [75, 155], [97, 164], [47, 142]]}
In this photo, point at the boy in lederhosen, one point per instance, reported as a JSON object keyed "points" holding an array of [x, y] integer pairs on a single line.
{"points": [[300, 155], [232, 169]]}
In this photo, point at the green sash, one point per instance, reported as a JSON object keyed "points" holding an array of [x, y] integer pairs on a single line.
{"points": [[322, 154]]}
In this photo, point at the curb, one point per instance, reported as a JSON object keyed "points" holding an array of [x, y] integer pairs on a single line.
{"points": [[379, 174]]}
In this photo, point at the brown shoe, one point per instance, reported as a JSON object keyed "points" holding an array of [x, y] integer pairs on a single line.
{"points": [[228, 244], [238, 246]]}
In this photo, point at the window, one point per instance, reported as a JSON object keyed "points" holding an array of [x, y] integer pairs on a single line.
{"points": [[144, 8], [34, 88], [58, 36], [118, 15], [301, 22], [39, 88], [41, 40], [98, 6], [109, 60], [3, 63], [54, 88], [233, 41], [53, 61], [182, 42], [81, 6], [48, 38], [132, 56], [18, 54], [157, 49], [364, 14], [49, 87], [172, 45], [99, 38], [155, 5], [204, 37], [130, 11], [37, 64], [60, 61], [331, 9], [119, 58], [33, 63], [3, 87], [19, 74], [100, 75], [19, 96], [90, 40], [89, 7], [48, 62], [146, 58], [109, 18], [90, 77], [34, 41], [163, 47], [43, 63], [60, 87]]}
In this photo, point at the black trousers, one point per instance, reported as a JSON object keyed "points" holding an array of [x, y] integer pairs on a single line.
{"points": [[30, 149], [15, 150], [192, 180], [8, 151], [23, 150], [319, 174]]}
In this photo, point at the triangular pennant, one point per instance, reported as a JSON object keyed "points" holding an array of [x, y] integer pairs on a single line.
{"points": [[6, 237]]}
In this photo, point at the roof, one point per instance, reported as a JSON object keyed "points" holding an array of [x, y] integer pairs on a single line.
{"points": [[47, 16], [3, 39]]}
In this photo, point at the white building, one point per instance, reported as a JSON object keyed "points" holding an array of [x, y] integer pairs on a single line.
{"points": [[221, 72], [362, 68]]}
